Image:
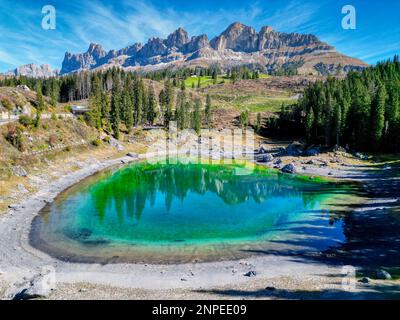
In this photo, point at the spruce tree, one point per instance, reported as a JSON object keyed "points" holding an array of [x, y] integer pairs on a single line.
{"points": [[378, 115], [39, 98], [207, 110], [152, 105], [115, 109], [258, 123], [168, 101], [197, 116]]}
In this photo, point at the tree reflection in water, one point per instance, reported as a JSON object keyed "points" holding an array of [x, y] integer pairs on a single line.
{"points": [[130, 190]]}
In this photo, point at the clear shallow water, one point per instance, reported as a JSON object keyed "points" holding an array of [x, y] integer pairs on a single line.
{"points": [[180, 212]]}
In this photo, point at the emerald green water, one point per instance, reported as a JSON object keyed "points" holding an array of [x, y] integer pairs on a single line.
{"points": [[175, 210]]}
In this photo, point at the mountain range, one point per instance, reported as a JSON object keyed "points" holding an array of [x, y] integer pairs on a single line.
{"points": [[33, 70], [238, 45]]}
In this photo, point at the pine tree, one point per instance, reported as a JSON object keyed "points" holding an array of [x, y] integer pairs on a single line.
{"points": [[39, 98], [337, 122], [207, 110], [180, 110], [152, 105], [127, 107], [186, 120], [168, 101], [55, 93], [105, 111], [258, 123], [244, 118], [378, 115], [95, 114], [215, 76], [309, 124], [138, 100], [36, 121], [144, 103], [197, 116], [115, 109]]}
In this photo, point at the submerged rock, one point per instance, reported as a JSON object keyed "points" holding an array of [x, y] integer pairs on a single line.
{"points": [[386, 167], [289, 168]]}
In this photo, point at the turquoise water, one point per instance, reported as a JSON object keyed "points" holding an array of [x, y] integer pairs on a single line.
{"points": [[187, 208]]}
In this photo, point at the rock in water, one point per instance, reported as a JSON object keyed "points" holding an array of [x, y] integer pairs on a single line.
{"points": [[383, 275], [289, 168]]}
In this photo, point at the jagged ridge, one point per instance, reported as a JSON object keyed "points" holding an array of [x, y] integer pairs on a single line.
{"points": [[237, 45]]}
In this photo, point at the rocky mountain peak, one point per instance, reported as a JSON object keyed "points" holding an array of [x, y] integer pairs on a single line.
{"points": [[266, 29], [34, 71], [96, 50], [237, 37], [177, 39]]}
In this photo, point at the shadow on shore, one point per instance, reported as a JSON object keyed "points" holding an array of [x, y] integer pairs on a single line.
{"points": [[370, 292], [372, 232]]}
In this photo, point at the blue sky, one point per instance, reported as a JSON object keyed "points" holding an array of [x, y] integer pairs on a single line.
{"points": [[116, 24]]}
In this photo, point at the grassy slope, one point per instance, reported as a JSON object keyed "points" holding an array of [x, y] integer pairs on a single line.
{"points": [[252, 95], [207, 81]]}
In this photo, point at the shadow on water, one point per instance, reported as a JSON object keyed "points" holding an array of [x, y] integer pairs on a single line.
{"points": [[371, 229]]}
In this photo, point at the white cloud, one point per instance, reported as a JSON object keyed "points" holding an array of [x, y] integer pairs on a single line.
{"points": [[9, 59]]}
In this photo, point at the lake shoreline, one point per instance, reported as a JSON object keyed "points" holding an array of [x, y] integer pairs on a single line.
{"points": [[20, 259]]}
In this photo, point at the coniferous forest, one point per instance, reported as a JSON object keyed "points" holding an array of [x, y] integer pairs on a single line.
{"points": [[361, 111], [120, 100]]}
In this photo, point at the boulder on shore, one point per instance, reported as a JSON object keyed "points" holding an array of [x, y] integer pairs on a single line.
{"points": [[289, 168], [132, 155], [251, 273], [293, 150], [312, 152], [40, 286], [266, 157]]}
